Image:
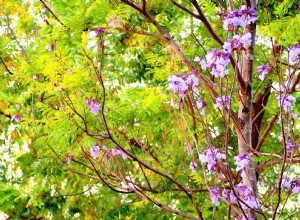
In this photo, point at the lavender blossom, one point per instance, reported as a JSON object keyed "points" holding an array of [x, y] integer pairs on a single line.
{"points": [[214, 196], [242, 161], [217, 60], [200, 105], [177, 84], [16, 117], [117, 151], [95, 151], [241, 18], [95, 107], [287, 103], [211, 156], [263, 70], [222, 102], [193, 165], [201, 61], [294, 54]]}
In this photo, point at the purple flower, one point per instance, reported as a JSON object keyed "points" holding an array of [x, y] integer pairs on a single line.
{"points": [[242, 160], [227, 47], [211, 156], [16, 117], [182, 84], [232, 197], [95, 151], [286, 102], [246, 38], [245, 193], [69, 159], [44, 10], [200, 105], [191, 80], [280, 137], [18, 107], [222, 102], [95, 107], [294, 53], [114, 23], [217, 60], [295, 185], [50, 47], [87, 102], [225, 194], [177, 84], [117, 151], [193, 165], [201, 61], [290, 146], [263, 70], [240, 18], [285, 182], [214, 196]]}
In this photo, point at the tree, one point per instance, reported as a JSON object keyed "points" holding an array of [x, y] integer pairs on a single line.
{"points": [[123, 101]]}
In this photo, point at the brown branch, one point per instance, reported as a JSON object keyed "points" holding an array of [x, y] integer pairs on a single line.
{"points": [[295, 83], [101, 178], [163, 206], [56, 18], [67, 166], [258, 114], [185, 9], [266, 133], [263, 166], [206, 23], [5, 66], [15, 38]]}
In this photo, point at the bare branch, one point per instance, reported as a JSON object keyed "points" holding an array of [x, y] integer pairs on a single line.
{"points": [[266, 133], [56, 18], [15, 38], [5, 66]]}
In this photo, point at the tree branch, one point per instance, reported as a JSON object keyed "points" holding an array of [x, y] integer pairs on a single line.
{"points": [[56, 18], [15, 38], [5, 66]]}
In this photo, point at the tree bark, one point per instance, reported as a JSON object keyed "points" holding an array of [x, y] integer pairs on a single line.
{"points": [[245, 110]]}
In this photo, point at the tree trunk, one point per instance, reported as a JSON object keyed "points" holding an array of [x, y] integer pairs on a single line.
{"points": [[245, 110]]}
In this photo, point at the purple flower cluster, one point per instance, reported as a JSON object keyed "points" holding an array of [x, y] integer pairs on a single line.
{"points": [[94, 106], [16, 117], [229, 195], [95, 150], [217, 60], [222, 102], [214, 195], [193, 165], [244, 193], [294, 184], [181, 84], [236, 42], [211, 157], [290, 147], [200, 105], [294, 54], [117, 151], [263, 70], [286, 102], [241, 18], [242, 161]]}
